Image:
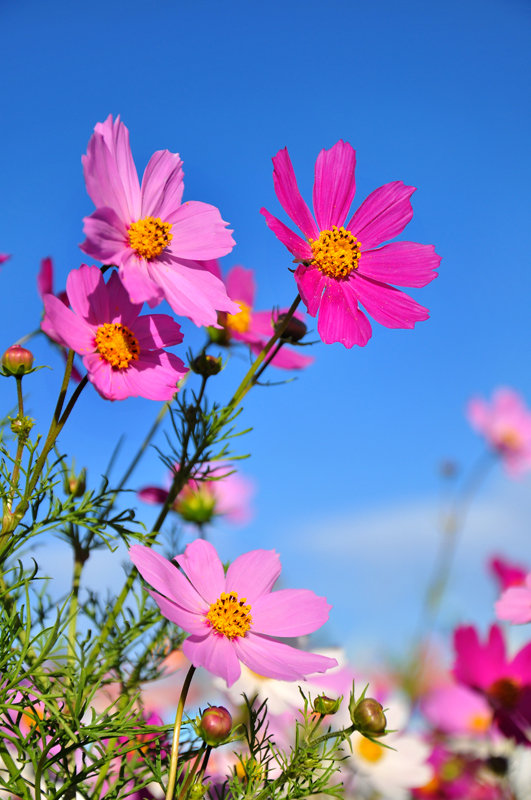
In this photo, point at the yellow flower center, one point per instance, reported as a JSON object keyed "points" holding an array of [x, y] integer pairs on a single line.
{"points": [[117, 345], [510, 439], [230, 616], [370, 751], [149, 236], [240, 322], [479, 723], [336, 253]]}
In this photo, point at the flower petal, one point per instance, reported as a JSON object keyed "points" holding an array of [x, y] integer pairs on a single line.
{"points": [[387, 305], [153, 495], [154, 376], [45, 277], [157, 330], [297, 246], [199, 232], [106, 236], [277, 660], [335, 184], [253, 574], [88, 295], [289, 612], [201, 563], [240, 285], [166, 579], [311, 284], [189, 621], [289, 196], [286, 358], [162, 186], [215, 653], [340, 319], [383, 215], [64, 327], [135, 276], [403, 263]]}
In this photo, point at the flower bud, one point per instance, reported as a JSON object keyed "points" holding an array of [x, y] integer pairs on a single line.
{"points": [[326, 705], [197, 505], [75, 484], [215, 725], [206, 365], [219, 335], [17, 360], [295, 331], [368, 715]]}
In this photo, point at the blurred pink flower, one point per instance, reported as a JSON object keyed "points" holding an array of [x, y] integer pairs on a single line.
{"points": [[506, 684], [514, 604], [148, 232], [121, 351], [507, 573], [45, 286], [341, 264], [506, 425], [457, 709], [254, 328], [4, 257], [233, 617], [203, 499]]}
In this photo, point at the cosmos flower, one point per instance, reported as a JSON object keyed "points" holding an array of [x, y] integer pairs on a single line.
{"points": [[148, 232], [506, 425], [254, 328], [122, 352], [235, 617], [507, 573], [4, 257], [45, 286], [456, 709], [514, 604], [341, 264]]}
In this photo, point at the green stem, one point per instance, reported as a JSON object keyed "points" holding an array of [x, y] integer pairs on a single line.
{"points": [[191, 775], [79, 560], [170, 791], [21, 440]]}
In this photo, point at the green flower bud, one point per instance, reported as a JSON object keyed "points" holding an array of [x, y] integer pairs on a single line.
{"points": [[215, 725], [326, 705], [295, 331], [75, 484], [368, 715], [206, 365], [17, 360]]}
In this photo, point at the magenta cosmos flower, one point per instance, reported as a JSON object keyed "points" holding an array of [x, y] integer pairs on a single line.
{"points": [[506, 425], [4, 257], [148, 232], [122, 352], [235, 617], [504, 682], [340, 263], [254, 328], [514, 604], [45, 286]]}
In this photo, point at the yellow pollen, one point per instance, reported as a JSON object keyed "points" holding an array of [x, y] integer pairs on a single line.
{"points": [[479, 723], [150, 236], [117, 345], [370, 751], [336, 253], [230, 616], [510, 439], [240, 322]]}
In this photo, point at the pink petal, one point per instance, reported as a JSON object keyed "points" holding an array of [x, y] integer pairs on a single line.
{"points": [[162, 186], [289, 612], [515, 605], [253, 574], [88, 294], [521, 665], [297, 246], [199, 232], [111, 383], [387, 305], [335, 185], [106, 234], [311, 284], [403, 263], [340, 319], [286, 358], [277, 660], [64, 327], [201, 563], [383, 215], [45, 277], [289, 196], [135, 276], [215, 653], [157, 330], [190, 621], [121, 309], [154, 376], [240, 285], [166, 579], [153, 495], [479, 665]]}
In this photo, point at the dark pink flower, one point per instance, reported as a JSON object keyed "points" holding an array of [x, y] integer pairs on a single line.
{"points": [[341, 264], [504, 682], [235, 617], [45, 286], [121, 351], [4, 257], [506, 425], [507, 573], [147, 231]]}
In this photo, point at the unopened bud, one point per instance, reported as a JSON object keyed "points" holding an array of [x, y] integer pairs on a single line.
{"points": [[219, 335], [368, 715], [206, 365], [295, 330], [326, 705], [17, 360], [75, 484], [215, 725]]}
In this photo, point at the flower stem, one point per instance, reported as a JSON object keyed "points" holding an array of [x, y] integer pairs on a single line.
{"points": [[192, 772], [170, 791]]}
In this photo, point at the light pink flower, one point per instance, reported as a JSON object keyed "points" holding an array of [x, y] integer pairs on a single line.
{"points": [[45, 286], [122, 352], [254, 328], [203, 499], [147, 231], [514, 604], [457, 709], [506, 425], [340, 263], [235, 617]]}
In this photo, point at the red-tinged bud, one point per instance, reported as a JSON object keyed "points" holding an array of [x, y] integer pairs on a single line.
{"points": [[295, 330], [368, 715], [326, 705], [17, 360], [206, 365], [215, 725]]}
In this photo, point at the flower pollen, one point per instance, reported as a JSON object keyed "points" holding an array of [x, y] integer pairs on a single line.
{"points": [[369, 750], [336, 252], [229, 615], [117, 345], [150, 236], [240, 322]]}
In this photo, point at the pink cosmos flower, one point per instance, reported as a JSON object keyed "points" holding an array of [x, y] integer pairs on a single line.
{"points": [[340, 263], [122, 352], [514, 604], [45, 286], [235, 617], [506, 684], [457, 709], [254, 328], [507, 573], [4, 257], [203, 499], [148, 232], [506, 425]]}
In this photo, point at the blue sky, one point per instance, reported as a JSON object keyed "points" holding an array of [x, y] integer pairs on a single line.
{"points": [[434, 94]]}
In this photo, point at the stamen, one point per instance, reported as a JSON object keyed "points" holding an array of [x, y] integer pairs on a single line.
{"points": [[336, 252], [150, 236], [230, 616], [240, 322], [117, 345]]}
